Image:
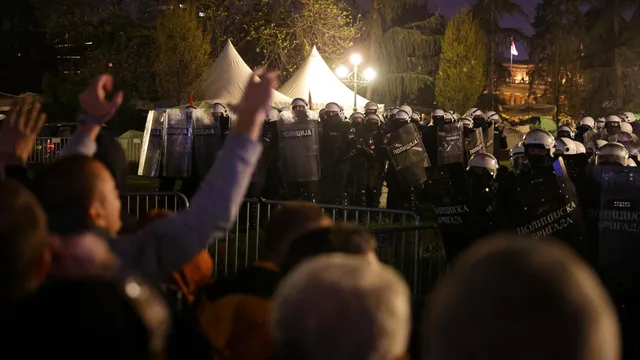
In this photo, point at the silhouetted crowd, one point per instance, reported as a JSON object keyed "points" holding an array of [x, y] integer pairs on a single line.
{"points": [[78, 282]]}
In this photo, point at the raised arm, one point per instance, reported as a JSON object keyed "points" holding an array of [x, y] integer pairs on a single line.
{"points": [[168, 244]]}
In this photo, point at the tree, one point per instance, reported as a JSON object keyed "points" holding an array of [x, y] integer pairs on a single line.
{"points": [[555, 50], [182, 51], [291, 28], [404, 42], [611, 58], [489, 13], [460, 76]]}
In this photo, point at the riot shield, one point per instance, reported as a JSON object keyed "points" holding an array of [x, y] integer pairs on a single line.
{"points": [[152, 145], [408, 155], [451, 147], [474, 143], [299, 154], [447, 190], [549, 206], [207, 141], [178, 143], [576, 166], [618, 219], [488, 135]]}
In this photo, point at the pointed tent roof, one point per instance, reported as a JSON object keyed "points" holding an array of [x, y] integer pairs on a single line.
{"points": [[316, 78], [226, 80]]}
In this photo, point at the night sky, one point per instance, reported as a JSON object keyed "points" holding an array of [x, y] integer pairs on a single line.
{"points": [[451, 7]]}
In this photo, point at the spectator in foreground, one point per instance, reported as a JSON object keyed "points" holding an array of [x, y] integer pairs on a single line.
{"points": [[79, 194], [88, 319], [24, 257], [341, 307], [233, 312], [509, 299]]}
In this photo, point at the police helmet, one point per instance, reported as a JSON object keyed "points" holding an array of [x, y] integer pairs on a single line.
{"points": [[631, 163], [612, 154], [455, 115], [299, 104], [565, 131], [493, 116], [625, 136], [332, 107], [484, 161], [219, 110], [372, 119], [515, 156], [467, 122], [394, 110], [285, 108], [565, 146], [437, 112], [612, 119], [601, 143], [588, 121], [407, 109], [580, 149], [272, 115], [415, 117], [448, 118], [371, 107], [539, 138], [356, 117], [600, 123], [402, 115], [628, 117], [471, 111], [479, 119], [626, 127]]}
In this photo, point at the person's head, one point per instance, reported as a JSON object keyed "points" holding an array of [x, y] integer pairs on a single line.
{"points": [[79, 193], [341, 237], [24, 256], [511, 298], [292, 220], [88, 318], [341, 307]]}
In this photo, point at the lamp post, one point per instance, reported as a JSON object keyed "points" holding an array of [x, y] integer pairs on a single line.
{"points": [[355, 77]]}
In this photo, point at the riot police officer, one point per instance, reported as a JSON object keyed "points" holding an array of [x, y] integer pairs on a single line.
{"points": [[585, 132], [611, 127], [481, 177], [517, 160], [370, 108], [612, 154], [565, 131], [628, 117], [299, 151], [273, 187], [334, 155]]}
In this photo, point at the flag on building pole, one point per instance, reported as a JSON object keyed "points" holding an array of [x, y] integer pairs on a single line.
{"points": [[513, 48]]}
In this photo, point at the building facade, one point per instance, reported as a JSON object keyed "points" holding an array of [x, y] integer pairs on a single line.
{"points": [[517, 89]]}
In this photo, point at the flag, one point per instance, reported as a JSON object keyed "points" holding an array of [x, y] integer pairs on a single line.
{"points": [[513, 48], [310, 101], [191, 99]]}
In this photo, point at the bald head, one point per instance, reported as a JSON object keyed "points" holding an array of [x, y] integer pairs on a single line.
{"points": [[510, 298], [341, 307]]}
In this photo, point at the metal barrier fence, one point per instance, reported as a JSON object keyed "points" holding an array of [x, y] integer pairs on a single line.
{"points": [[47, 149], [412, 248]]}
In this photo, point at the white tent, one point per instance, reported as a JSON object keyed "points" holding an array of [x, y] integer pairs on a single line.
{"points": [[314, 78], [227, 78]]}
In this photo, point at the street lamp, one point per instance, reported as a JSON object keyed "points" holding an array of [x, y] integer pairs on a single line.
{"points": [[355, 77]]}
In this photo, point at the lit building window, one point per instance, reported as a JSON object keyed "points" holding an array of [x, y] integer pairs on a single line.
{"points": [[201, 14]]}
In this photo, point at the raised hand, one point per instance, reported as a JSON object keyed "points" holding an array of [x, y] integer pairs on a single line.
{"points": [[19, 131], [93, 99], [252, 108]]}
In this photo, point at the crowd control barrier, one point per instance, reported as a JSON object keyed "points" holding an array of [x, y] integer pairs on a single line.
{"points": [[414, 249]]}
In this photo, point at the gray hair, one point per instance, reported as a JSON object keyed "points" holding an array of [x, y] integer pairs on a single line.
{"points": [[340, 306]]}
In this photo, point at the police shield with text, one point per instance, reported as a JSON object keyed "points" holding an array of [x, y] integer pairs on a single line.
{"points": [[543, 200], [408, 159], [152, 145], [299, 153], [207, 141], [450, 141], [473, 138], [615, 217], [178, 143]]}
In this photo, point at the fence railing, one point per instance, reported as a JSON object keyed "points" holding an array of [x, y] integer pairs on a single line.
{"points": [[47, 149], [414, 249]]}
